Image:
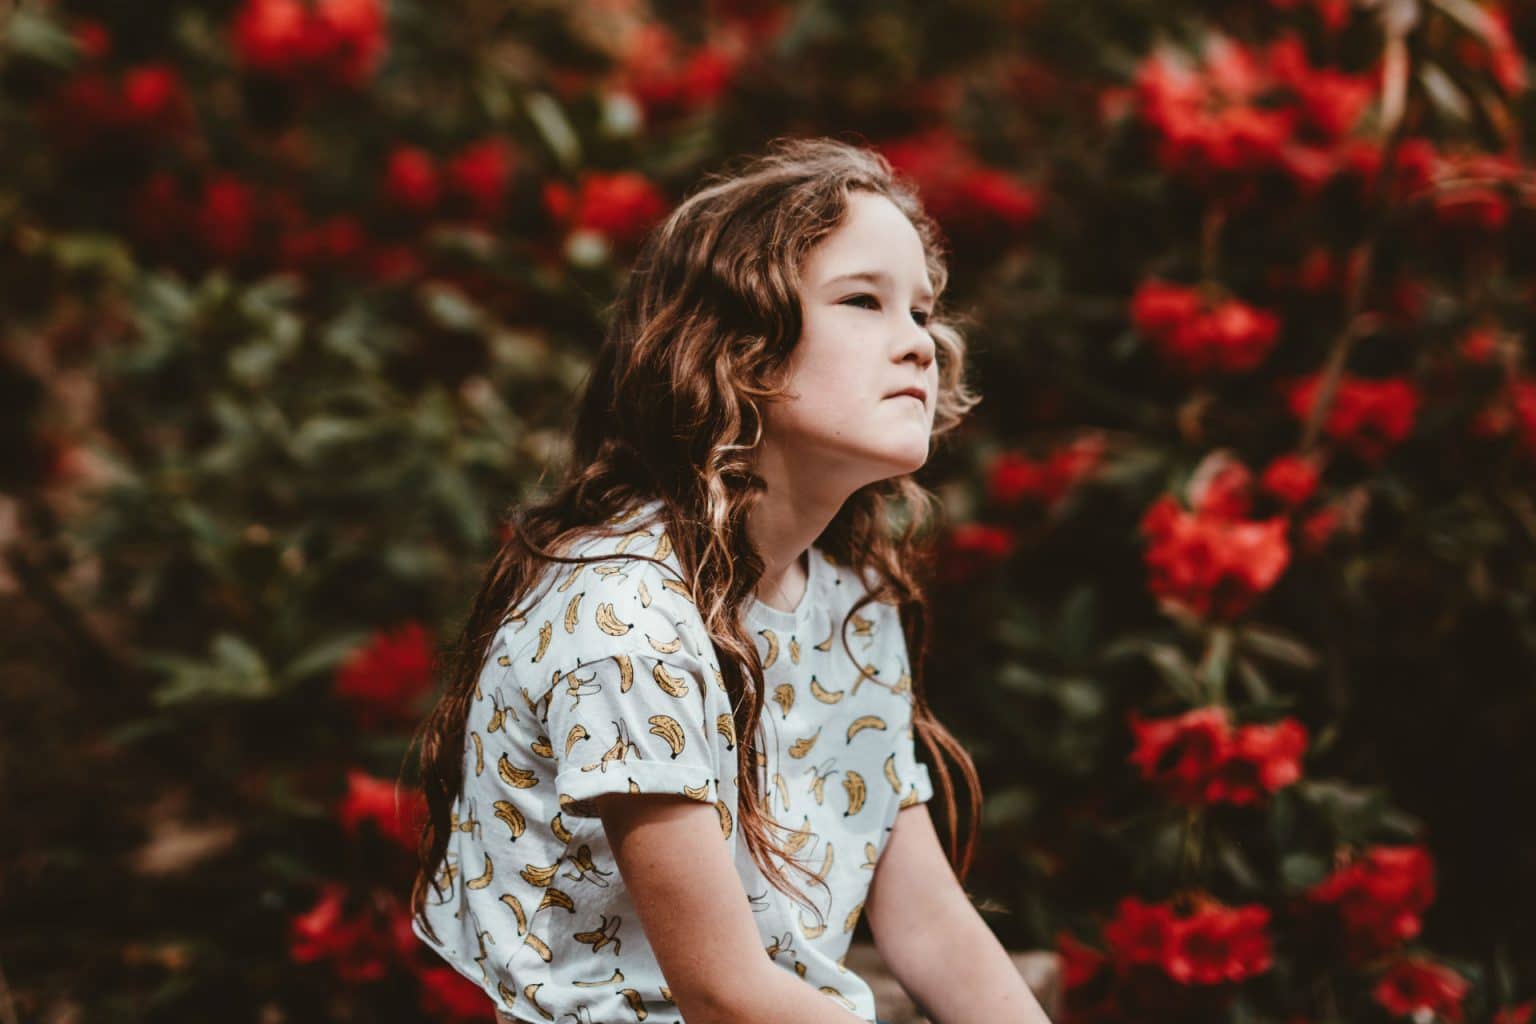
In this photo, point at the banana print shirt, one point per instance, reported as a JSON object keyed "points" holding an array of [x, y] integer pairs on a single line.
{"points": [[607, 683]]}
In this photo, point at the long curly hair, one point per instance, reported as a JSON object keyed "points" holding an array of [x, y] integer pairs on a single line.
{"points": [[698, 340]]}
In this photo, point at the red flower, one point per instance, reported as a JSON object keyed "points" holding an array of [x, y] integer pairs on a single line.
{"points": [[1369, 417], [1196, 337], [1217, 944], [385, 679], [336, 242], [1291, 479], [972, 201], [1520, 1014], [1261, 759], [155, 100], [1211, 566], [1415, 987], [620, 206], [1479, 345], [338, 42], [669, 83], [448, 995], [397, 816], [1183, 754], [1379, 896], [480, 172], [1140, 933], [92, 39], [411, 179], [358, 948], [970, 549], [1013, 477], [226, 217], [1220, 487]]}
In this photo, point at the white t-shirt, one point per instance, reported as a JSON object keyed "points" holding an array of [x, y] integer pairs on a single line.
{"points": [[608, 683]]}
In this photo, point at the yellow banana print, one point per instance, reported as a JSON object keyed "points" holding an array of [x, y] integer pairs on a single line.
{"points": [[678, 589], [613, 979], [608, 622], [601, 936], [576, 735], [586, 870], [636, 1003], [826, 863], [801, 747], [618, 752], [539, 946], [630, 538], [571, 578], [671, 731], [511, 817], [783, 788], [541, 747], [556, 898], [863, 722], [784, 697], [573, 612], [626, 672], [669, 647], [726, 826], [910, 798], [507, 995], [545, 632], [819, 782], [837, 997], [503, 661], [853, 917], [663, 546], [890, 774], [538, 877], [871, 855], [861, 625], [725, 725], [558, 828], [474, 738], [799, 837], [853, 785], [518, 778], [485, 879], [645, 594], [823, 694], [773, 647], [810, 931], [700, 793], [672, 686], [826, 645], [794, 651], [531, 993]]}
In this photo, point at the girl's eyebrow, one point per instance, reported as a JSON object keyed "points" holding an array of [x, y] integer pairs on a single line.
{"points": [[877, 277]]}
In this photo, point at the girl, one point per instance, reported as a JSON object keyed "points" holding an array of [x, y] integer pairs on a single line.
{"points": [[686, 678]]}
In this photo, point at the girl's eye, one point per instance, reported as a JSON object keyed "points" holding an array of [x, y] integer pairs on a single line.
{"points": [[917, 314]]}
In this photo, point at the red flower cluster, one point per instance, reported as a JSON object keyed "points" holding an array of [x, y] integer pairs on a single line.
{"points": [[975, 203], [1421, 989], [1290, 479], [397, 816], [146, 106], [1210, 564], [1379, 897], [1240, 112], [327, 42], [619, 207], [386, 679], [668, 82], [1014, 477], [475, 180], [1367, 417], [1200, 336], [1199, 758], [970, 549]]}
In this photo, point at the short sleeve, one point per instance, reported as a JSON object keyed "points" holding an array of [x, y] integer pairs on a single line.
{"points": [[916, 786], [635, 722]]}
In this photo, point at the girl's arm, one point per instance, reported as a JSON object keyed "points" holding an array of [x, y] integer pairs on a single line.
{"points": [[696, 917], [932, 938]]}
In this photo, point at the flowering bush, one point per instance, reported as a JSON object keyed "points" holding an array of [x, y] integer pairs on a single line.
{"points": [[1232, 603]]}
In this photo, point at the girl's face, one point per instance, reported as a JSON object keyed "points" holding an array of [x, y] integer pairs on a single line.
{"points": [[864, 298]]}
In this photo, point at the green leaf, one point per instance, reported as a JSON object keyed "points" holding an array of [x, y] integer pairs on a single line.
{"points": [[1277, 646]]}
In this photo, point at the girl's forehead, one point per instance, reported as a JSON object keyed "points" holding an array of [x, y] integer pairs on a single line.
{"points": [[875, 240]]}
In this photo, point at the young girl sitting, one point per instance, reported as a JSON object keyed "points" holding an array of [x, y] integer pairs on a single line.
{"points": [[675, 762]]}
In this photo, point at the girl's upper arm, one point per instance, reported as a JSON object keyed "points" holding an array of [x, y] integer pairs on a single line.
{"points": [[691, 903]]}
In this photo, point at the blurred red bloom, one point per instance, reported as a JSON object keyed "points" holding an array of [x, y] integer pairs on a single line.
{"points": [[1261, 759], [1368, 417], [1419, 988], [1478, 345], [226, 216], [147, 106], [620, 206], [1291, 479], [411, 179], [1520, 1014], [1183, 755], [1208, 944], [1211, 566], [972, 201], [1013, 476], [357, 947], [386, 678], [398, 816], [972, 548], [481, 173], [338, 42], [448, 995], [668, 82], [1379, 896], [1220, 487], [1197, 336], [92, 39]]}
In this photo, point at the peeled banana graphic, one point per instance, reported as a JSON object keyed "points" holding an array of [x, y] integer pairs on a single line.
{"points": [[573, 612], [669, 647], [538, 877], [671, 731], [890, 774], [725, 725], [784, 697], [773, 647], [626, 672], [783, 788], [863, 722], [726, 825], [608, 622], [645, 594], [853, 785], [853, 917], [507, 995], [474, 738], [545, 632], [556, 898], [801, 747], [576, 735], [541, 747], [531, 993], [861, 625], [823, 694], [511, 817], [672, 686], [485, 879], [562, 588], [794, 651], [871, 855], [601, 937], [819, 783], [518, 778]]}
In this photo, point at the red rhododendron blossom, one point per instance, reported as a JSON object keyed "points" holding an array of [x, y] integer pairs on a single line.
{"points": [[481, 173], [333, 243], [1211, 566], [668, 82], [972, 201], [324, 41], [1290, 479], [1520, 1014], [1183, 755], [448, 995], [1196, 336], [147, 106], [1261, 759], [1368, 417], [621, 207], [1479, 345], [92, 39], [1208, 944], [387, 677], [1494, 49], [1221, 486], [226, 217], [411, 179], [1380, 896], [971, 548], [1421, 989], [1013, 477], [398, 816], [357, 947]]}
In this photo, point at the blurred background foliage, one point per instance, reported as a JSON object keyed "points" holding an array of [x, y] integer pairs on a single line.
{"points": [[1235, 590]]}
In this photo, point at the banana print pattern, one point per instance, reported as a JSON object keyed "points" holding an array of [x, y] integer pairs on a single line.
{"points": [[604, 681]]}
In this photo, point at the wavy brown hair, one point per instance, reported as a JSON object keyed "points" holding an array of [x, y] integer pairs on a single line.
{"points": [[699, 339]]}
